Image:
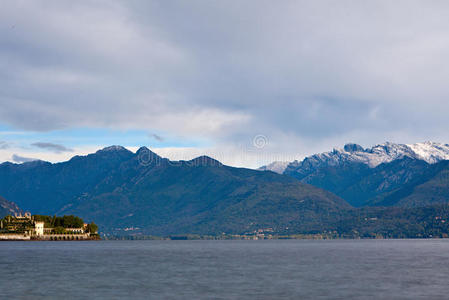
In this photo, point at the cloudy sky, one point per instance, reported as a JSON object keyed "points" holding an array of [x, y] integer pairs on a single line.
{"points": [[247, 82]]}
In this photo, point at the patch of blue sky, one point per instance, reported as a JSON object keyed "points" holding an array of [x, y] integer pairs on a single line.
{"points": [[77, 137]]}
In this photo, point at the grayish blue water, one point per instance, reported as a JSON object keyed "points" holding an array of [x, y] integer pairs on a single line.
{"points": [[282, 269]]}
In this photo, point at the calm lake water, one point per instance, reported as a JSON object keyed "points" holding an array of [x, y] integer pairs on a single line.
{"points": [[282, 269]]}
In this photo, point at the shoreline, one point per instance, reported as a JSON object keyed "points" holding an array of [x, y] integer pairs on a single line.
{"points": [[67, 238], [248, 238]]}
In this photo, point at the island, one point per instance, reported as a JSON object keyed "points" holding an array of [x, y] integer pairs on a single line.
{"points": [[29, 227]]}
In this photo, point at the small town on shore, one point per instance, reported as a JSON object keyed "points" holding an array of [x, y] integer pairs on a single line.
{"points": [[29, 227]]}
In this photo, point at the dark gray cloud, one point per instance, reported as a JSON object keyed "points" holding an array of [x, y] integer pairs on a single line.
{"points": [[157, 137], [52, 147], [303, 73], [21, 159]]}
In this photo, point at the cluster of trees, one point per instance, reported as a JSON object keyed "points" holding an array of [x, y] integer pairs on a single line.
{"points": [[64, 221], [61, 223], [92, 228]]}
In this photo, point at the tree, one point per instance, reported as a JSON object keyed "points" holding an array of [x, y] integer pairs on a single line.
{"points": [[92, 228]]}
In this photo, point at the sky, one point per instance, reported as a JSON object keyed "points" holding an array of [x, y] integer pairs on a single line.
{"points": [[247, 82]]}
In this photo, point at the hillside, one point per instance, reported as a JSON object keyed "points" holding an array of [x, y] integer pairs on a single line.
{"points": [[430, 187], [43, 188]]}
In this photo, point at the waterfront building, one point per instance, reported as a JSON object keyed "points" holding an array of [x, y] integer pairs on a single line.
{"points": [[28, 227]]}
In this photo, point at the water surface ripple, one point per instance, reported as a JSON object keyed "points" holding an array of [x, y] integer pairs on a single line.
{"points": [[269, 269]]}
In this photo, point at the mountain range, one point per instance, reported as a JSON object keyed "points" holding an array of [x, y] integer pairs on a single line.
{"points": [[385, 175], [389, 190]]}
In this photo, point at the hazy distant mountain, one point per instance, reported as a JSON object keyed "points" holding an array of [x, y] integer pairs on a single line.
{"points": [[8, 208], [276, 166], [381, 175], [122, 191]]}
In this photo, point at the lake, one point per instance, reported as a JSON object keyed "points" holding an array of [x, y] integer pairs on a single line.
{"points": [[264, 269]]}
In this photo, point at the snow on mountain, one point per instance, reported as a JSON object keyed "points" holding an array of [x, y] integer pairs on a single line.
{"points": [[277, 167], [383, 153], [113, 148], [431, 152]]}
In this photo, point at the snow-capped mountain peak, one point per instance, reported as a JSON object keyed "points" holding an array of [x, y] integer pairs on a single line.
{"points": [[113, 148], [383, 153], [430, 152]]}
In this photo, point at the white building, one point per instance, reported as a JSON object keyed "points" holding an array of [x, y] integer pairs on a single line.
{"points": [[39, 228]]}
